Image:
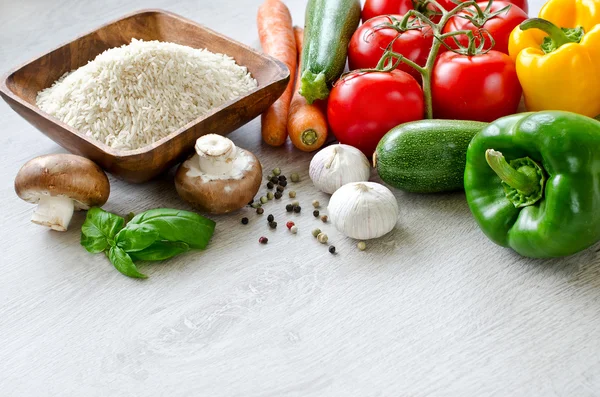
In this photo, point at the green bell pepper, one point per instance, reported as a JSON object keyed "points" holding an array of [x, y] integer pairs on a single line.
{"points": [[532, 182]]}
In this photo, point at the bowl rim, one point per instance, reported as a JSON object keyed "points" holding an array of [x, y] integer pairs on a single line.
{"points": [[283, 73]]}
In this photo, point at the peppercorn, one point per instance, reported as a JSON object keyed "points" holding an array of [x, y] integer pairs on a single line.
{"points": [[273, 225], [270, 185], [282, 178], [263, 240], [244, 221], [297, 209], [362, 245], [260, 211], [294, 229], [322, 238], [274, 180], [276, 171], [280, 189], [289, 224], [278, 195], [264, 199], [332, 249], [289, 208], [292, 194], [295, 203], [283, 183], [316, 204], [324, 218], [316, 213], [316, 232], [295, 177], [270, 218], [270, 196], [255, 205]]}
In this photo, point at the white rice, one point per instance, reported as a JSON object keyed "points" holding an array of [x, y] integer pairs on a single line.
{"points": [[134, 95]]}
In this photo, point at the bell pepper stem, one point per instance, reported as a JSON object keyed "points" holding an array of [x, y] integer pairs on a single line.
{"points": [[526, 183], [554, 32]]}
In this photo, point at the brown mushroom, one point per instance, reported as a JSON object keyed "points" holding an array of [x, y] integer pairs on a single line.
{"points": [[60, 184], [219, 177]]}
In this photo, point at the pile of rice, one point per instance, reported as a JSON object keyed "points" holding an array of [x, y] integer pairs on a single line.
{"points": [[131, 96]]}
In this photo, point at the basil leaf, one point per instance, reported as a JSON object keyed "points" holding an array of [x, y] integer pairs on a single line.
{"points": [[123, 263], [99, 229], [136, 237], [160, 250], [177, 225]]}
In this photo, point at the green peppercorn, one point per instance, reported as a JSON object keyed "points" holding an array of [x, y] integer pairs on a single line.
{"points": [[316, 204], [276, 171], [280, 189], [316, 213], [270, 196], [316, 232], [297, 209], [264, 199], [270, 218], [295, 203], [332, 249], [292, 194], [362, 245], [278, 195], [289, 208], [270, 185], [260, 211], [255, 205], [244, 221], [295, 177]]}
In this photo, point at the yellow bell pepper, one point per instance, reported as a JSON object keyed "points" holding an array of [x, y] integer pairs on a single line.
{"points": [[559, 69]]}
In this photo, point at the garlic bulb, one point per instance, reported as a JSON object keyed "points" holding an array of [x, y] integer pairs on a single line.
{"points": [[337, 165], [363, 210]]}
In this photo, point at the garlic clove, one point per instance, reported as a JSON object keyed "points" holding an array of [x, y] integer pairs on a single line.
{"points": [[363, 210], [337, 165]]}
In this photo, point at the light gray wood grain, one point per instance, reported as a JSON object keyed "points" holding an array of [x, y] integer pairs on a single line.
{"points": [[433, 309]]}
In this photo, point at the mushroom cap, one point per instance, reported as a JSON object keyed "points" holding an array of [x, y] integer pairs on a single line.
{"points": [[64, 175], [218, 196]]}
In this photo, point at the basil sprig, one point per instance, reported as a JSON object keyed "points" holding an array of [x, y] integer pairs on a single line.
{"points": [[154, 235]]}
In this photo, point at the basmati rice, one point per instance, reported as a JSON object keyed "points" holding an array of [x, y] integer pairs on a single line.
{"points": [[131, 96]]}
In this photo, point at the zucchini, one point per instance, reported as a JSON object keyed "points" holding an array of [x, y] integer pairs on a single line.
{"points": [[328, 28], [426, 156]]}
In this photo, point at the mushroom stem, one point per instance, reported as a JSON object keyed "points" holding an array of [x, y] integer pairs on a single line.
{"points": [[55, 212], [216, 154]]}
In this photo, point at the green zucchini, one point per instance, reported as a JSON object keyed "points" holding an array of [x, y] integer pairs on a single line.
{"points": [[328, 28], [426, 156]]}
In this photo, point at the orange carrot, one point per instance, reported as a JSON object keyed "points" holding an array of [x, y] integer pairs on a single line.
{"points": [[277, 39], [307, 124]]}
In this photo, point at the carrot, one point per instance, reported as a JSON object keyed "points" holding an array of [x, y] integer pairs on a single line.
{"points": [[307, 124], [276, 35]]}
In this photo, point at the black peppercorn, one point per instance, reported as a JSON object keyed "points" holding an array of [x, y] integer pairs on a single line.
{"points": [[273, 225], [270, 218], [244, 221], [289, 208], [316, 213], [274, 180], [260, 211], [283, 183], [278, 195], [282, 178], [280, 189], [297, 209], [270, 185], [332, 249]]}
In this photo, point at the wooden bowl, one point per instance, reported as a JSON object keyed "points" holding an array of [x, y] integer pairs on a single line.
{"points": [[20, 87]]}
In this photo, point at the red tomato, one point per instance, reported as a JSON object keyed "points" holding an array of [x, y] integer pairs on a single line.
{"points": [[374, 8], [498, 27], [369, 42], [364, 106], [450, 5], [481, 87]]}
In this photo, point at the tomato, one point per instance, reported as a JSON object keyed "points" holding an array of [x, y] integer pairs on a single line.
{"points": [[498, 27], [450, 5], [374, 8], [481, 87], [371, 39], [363, 107]]}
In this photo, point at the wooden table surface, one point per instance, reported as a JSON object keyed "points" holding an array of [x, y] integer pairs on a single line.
{"points": [[433, 309]]}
